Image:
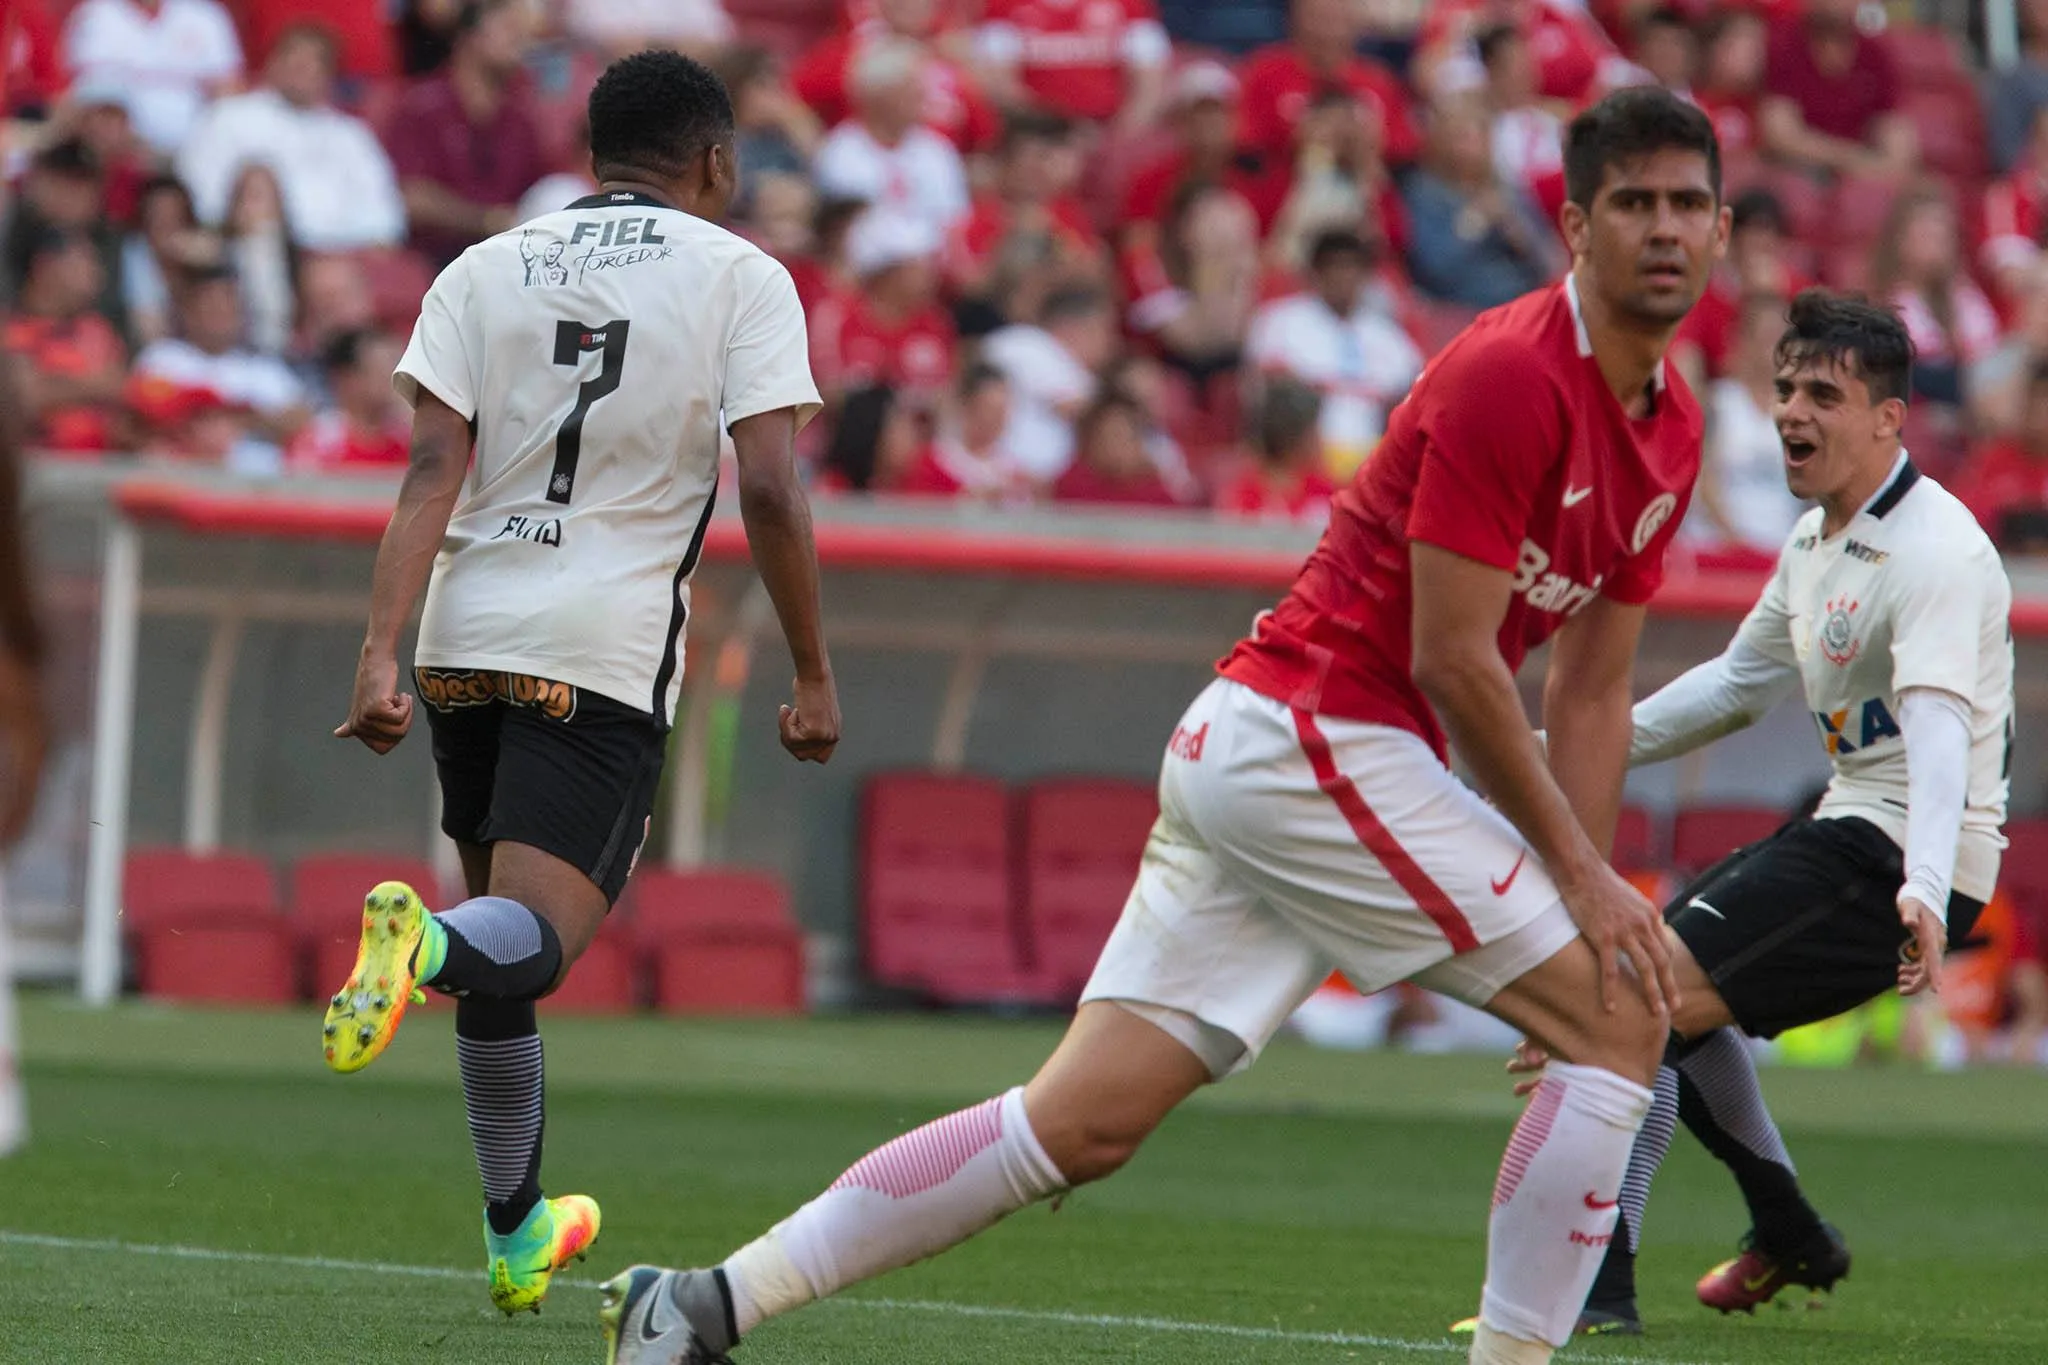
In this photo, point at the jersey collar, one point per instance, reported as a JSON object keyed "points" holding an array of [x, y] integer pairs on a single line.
{"points": [[617, 199], [1585, 338], [1896, 485]]}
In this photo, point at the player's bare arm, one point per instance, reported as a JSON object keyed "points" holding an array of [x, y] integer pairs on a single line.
{"points": [[379, 714], [1459, 605], [1587, 696], [778, 521]]}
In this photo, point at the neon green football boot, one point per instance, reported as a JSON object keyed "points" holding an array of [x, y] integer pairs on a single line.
{"points": [[401, 944], [520, 1264]]}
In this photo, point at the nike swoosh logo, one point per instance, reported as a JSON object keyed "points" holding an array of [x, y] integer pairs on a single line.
{"points": [[1500, 888], [1708, 908], [1759, 1282], [1574, 496], [1600, 1205]]}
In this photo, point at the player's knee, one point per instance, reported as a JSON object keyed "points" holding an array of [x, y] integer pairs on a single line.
{"points": [[1629, 1042], [1088, 1149]]}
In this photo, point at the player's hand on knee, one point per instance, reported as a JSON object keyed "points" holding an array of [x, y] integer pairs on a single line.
{"points": [[1528, 1062], [810, 729], [1922, 970], [379, 714], [1620, 922]]}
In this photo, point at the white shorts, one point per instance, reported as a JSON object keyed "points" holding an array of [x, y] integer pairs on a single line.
{"points": [[1288, 845]]}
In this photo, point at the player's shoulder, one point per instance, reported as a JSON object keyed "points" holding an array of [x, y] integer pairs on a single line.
{"points": [[1531, 337], [1931, 528]]}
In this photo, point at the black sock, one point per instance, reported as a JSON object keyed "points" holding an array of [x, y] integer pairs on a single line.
{"points": [[499, 949], [497, 1044], [1722, 1102]]}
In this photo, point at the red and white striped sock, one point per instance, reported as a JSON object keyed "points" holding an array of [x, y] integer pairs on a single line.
{"points": [[908, 1199], [1554, 1206]]}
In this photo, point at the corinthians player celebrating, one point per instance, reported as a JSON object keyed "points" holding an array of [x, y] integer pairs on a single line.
{"points": [[588, 356], [1889, 608]]}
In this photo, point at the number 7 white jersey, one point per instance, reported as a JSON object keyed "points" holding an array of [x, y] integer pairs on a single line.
{"points": [[593, 351]]}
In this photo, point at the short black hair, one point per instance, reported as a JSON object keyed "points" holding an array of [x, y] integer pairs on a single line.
{"points": [[1866, 339], [70, 157], [977, 377], [1759, 207], [1631, 123], [1034, 125], [1492, 39], [1072, 301], [1287, 412], [1334, 242], [1664, 16], [654, 113], [345, 350], [856, 444]]}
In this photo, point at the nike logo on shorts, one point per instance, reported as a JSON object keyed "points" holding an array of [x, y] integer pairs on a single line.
{"points": [[1500, 888], [1704, 906]]}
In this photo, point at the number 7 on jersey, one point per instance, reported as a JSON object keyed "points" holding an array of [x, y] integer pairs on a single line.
{"points": [[574, 340]]}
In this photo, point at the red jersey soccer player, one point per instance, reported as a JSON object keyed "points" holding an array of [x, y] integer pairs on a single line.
{"points": [[1526, 488]]}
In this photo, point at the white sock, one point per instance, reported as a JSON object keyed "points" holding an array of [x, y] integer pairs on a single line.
{"points": [[1555, 1205], [908, 1199], [1497, 1348]]}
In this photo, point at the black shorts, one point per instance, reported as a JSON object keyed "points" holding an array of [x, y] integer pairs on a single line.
{"points": [[543, 763], [1803, 925]]}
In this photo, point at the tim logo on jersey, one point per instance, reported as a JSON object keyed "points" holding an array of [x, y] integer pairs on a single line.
{"points": [[1856, 727]]}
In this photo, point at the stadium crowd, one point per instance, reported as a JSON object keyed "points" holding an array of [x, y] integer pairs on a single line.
{"points": [[1051, 249]]}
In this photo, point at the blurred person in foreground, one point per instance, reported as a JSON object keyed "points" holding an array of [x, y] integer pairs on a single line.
{"points": [[24, 736], [555, 568], [1528, 490], [1887, 613]]}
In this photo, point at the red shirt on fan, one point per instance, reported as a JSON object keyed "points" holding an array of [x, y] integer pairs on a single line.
{"points": [[851, 346], [1735, 122], [954, 106], [975, 238], [1071, 54], [332, 443], [1512, 451], [1276, 85]]}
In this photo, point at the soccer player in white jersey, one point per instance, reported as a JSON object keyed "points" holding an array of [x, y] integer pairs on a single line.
{"points": [[1889, 609], [589, 356]]}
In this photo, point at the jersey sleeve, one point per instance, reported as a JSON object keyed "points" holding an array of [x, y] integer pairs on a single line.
{"points": [[441, 356], [1493, 426], [1768, 627], [1937, 618], [767, 357]]}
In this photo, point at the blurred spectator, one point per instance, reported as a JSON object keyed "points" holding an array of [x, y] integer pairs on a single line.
{"points": [[1473, 240], [883, 154], [1832, 97], [95, 112], [782, 211], [822, 271], [172, 55], [775, 133], [1204, 151], [569, 181], [167, 241], [1238, 27], [874, 444], [618, 27], [1111, 463], [968, 458], [1051, 369], [258, 247], [63, 191], [953, 103], [366, 40], [339, 190], [1103, 60], [1737, 53], [2013, 221], [2015, 95], [1027, 236], [1528, 134], [2005, 482], [1288, 482], [31, 73], [465, 141], [1666, 47], [1209, 253], [891, 329], [1338, 339], [1575, 59], [1756, 265], [70, 361], [1918, 268], [426, 33], [1165, 402], [1741, 499], [366, 428], [1320, 52], [1338, 178], [208, 357]]}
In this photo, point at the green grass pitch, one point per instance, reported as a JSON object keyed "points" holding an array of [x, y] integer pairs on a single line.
{"points": [[201, 1191]]}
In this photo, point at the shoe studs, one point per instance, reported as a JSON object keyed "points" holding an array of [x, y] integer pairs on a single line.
{"points": [[365, 1034]]}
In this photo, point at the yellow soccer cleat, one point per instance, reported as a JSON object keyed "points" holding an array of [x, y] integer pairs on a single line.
{"points": [[363, 1016], [556, 1232]]}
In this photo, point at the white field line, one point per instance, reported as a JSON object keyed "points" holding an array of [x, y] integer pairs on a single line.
{"points": [[1107, 1321]]}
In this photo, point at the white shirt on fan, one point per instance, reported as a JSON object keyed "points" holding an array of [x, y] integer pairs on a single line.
{"points": [[594, 350]]}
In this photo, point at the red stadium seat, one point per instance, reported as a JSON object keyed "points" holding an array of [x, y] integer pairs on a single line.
{"points": [[205, 926], [325, 909], [605, 980], [718, 941], [1704, 835], [1635, 840], [1081, 841], [935, 904]]}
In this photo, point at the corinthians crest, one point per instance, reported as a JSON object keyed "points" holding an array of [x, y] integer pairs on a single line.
{"points": [[1838, 642]]}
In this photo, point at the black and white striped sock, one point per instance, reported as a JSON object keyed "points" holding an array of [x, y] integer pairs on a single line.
{"points": [[497, 1045], [1614, 1288], [1722, 1102]]}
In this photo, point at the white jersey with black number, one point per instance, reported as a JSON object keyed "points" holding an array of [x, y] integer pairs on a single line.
{"points": [[593, 351], [1910, 594]]}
